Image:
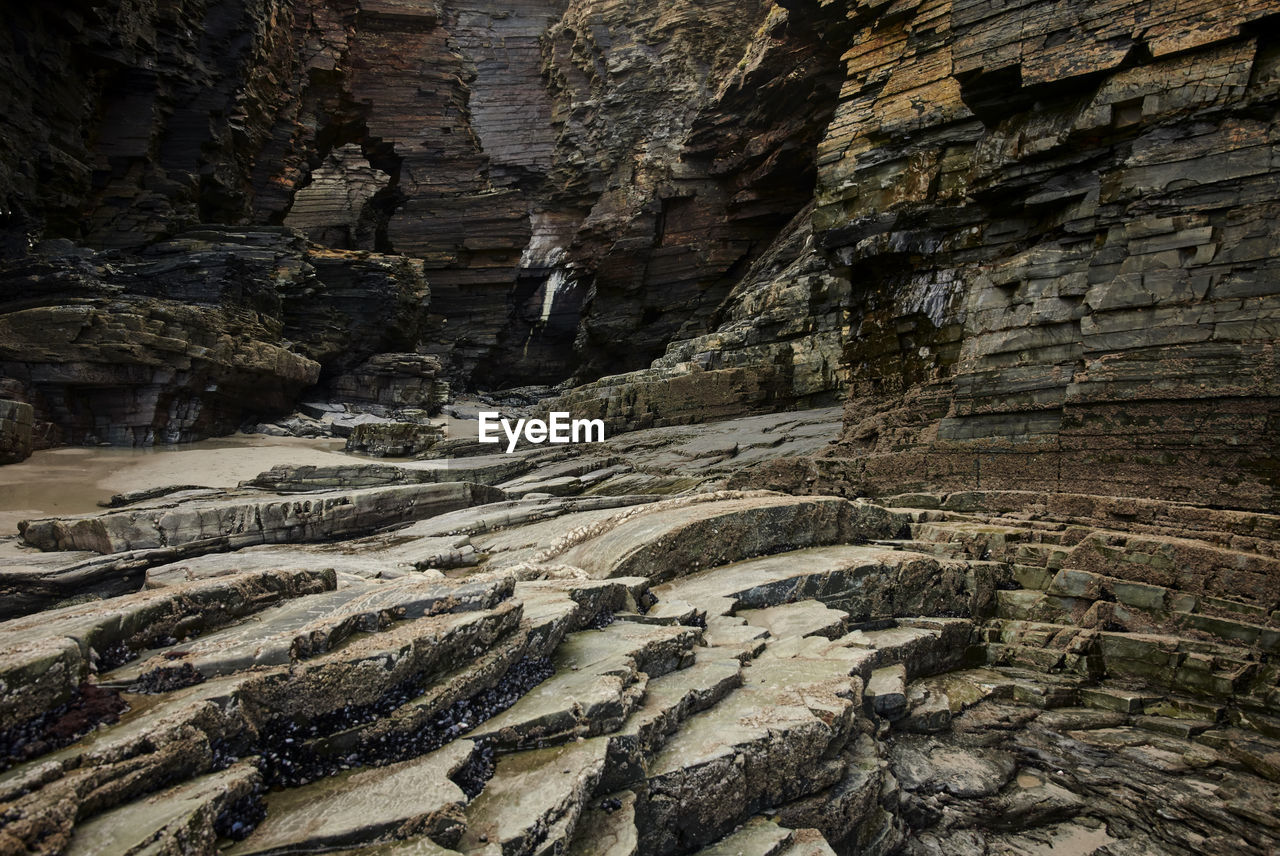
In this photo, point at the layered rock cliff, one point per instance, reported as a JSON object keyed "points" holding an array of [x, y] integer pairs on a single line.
{"points": [[1059, 223], [1031, 242]]}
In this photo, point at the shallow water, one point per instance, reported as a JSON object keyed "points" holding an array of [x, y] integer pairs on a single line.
{"points": [[74, 480]]}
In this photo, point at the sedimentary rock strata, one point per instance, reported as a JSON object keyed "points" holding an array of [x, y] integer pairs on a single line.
{"points": [[935, 343], [187, 339], [714, 672], [1057, 229]]}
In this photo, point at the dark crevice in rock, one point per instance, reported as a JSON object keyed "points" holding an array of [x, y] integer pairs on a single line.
{"points": [[288, 753], [92, 706]]}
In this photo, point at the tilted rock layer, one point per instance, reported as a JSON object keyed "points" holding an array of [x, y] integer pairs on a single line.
{"points": [[606, 673]]}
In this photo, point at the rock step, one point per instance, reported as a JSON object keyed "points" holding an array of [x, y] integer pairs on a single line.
{"points": [[668, 702], [1160, 663], [188, 818], [848, 814], [770, 741], [869, 583], [672, 539], [607, 828], [1233, 620], [599, 679], [962, 689], [202, 524], [307, 626], [567, 477], [532, 803], [885, 694], [945, 549], [796, 620], [924, 646], [370, 666], [46, 657], [757, 837], [482, 686], [978, 540], [1075, 596], [416, 797], [178, 735], [1184, 566], [735, 638], [807, 842], [383, 557], [268, 712]]}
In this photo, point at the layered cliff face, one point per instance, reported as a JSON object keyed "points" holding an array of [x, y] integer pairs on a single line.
{"points": [[585, 182], [1033, 243], [192, 336], [1059, 222]]}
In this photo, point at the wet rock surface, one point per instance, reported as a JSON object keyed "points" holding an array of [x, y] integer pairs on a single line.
{"points": [[1018, 261], [927, 673]]}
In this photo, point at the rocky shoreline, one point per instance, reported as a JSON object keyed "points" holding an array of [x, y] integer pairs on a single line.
{"points": [[621, 655], [935, 346]]}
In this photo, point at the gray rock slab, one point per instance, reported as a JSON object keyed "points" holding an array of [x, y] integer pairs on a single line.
{"points": [[245, 519], [805, 618], [177, 820], [607, 832], [866, 582], [764, 744], [680, 539], [600, 678], [415, 797], [532, 803], [44, 657], [307, 626]]}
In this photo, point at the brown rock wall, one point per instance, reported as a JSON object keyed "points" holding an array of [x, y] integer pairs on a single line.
{"points": [[1061, 241]]}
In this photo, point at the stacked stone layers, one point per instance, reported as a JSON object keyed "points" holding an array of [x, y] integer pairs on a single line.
{"points": [[195, 335], [585, 181], [1060, 226], [15, 431], [607, 673]]}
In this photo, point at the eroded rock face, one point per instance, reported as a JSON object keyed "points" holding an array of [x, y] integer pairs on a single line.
{"points": [[15, 431], [1036, 244], [586, 181], [1062, 246], [192, 336], [717, 672]]}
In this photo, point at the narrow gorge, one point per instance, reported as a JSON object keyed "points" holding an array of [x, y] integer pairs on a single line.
{"points": [[934, 348]]}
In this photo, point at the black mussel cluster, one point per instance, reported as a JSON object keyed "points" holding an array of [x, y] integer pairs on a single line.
{"points": [[164, 679], [288, 748], [92, 706], [241, 816]]}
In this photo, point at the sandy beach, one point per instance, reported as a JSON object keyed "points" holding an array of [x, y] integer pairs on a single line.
{"points": [[73, 480]]}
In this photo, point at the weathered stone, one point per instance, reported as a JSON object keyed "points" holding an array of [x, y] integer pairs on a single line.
{"points": [[411, 798], [534, 798], [47, 657], [393, 439], [662, 545], [185, 817], [15, 431], [245, 520], [886, 692]]}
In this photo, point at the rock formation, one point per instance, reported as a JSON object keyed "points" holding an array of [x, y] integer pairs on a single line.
{"points": [[1062, 248], [15, 431], [190, 337], [561, 663], [935, 341]]}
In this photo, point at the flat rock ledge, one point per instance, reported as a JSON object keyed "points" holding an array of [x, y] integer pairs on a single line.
{"points": [[444, 668]]}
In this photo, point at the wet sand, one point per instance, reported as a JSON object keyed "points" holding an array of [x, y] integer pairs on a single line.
{"points": [[74, 480]]}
